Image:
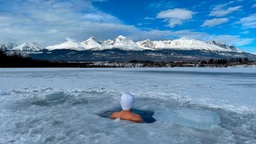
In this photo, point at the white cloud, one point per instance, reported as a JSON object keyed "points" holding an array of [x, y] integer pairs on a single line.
{"points": [[214, 22], [248, 22], [174, 22], [49, 22], [167, 34], [220, 10], [190, 34], [100, 17], [233, 40], [176, 13], [175, 16]]}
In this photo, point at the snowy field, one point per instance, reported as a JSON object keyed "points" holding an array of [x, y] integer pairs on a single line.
{"points": [[190, 105]]}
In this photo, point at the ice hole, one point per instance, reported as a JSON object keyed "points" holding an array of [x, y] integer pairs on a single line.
{"points": [[145, 114]]}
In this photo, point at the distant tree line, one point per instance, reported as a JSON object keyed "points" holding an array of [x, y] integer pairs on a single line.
{"points": [[201, 63], [16, 60], [226, 62]]}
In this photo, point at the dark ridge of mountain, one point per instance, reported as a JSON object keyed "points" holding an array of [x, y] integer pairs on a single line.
{"points": [[118, 55]]}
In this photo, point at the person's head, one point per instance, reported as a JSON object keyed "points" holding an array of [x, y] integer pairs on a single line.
{"points": [[127, 101]]}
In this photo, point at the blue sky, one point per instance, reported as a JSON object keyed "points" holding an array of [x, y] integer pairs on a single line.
{"points": [[49, 22]]}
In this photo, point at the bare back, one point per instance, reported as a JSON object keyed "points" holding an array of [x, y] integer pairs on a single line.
{"points": [[127, 115]]}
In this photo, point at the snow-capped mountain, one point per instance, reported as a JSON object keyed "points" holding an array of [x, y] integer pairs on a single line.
{"points": [[123, 49], [91, 44], [225, 46], [146, 44], [68, 44], [183, 44], [27, 47], [7, 46], [124, 43]]}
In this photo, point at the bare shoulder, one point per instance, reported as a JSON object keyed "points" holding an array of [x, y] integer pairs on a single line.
{"points": [[127, 116], [136, 118], [115, 115]]}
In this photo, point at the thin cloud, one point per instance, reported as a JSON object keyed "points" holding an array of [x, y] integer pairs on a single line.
{"points": [[214, 22], [175, 16], [234, 40], [220, 10], [48, 22], [162, 4], [182, 14], [249, 22], [167, 34], [100, 17]]}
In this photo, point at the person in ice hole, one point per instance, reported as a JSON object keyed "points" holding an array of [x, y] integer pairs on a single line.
{"points": [[127, 101]]}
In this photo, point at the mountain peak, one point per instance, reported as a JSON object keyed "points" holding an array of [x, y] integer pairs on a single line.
{"points": [[147, 44], [68, 44], [91, 43], [28, 46], [224, 46], [121, 42], [120, 38], [184, 38], [124, 43], [7, 46], [92, 38]]}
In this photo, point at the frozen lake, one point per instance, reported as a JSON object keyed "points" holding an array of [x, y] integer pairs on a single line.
{"points": [[190, 105]]}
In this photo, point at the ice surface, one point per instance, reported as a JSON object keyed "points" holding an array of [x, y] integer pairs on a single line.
{"points": [[200, 119], [62, 105], [50, 99]]}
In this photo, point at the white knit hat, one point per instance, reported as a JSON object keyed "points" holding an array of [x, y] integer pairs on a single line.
{"points": [[127, 101]]}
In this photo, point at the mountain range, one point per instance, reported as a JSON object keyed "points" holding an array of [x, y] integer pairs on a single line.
{"points": [[124, 49], [25, 47], [125, 43]]}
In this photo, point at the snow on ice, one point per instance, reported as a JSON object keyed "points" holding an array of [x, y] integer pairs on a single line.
{"points": [[190, 105]]}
